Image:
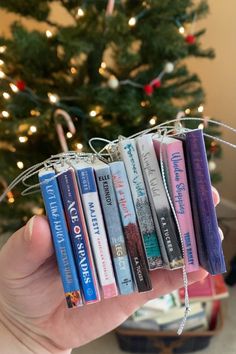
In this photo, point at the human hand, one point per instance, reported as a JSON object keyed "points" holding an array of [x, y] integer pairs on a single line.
{"points": [[32, 304]]}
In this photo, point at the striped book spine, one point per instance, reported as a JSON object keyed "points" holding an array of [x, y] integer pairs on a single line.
{"points": [[78, 233], [60, 236], [114, 227], [174, 162], [127, 148], [96, 228], [130, 226]]}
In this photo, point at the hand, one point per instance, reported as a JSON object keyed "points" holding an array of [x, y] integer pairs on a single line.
{"points": [[32, 304]]}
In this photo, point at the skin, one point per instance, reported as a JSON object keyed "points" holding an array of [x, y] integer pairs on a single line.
{"points": [[33, 313]]}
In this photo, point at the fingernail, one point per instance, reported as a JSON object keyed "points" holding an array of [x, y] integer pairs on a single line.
{"points": [[221, 234], [29, 229], [216, 195]]}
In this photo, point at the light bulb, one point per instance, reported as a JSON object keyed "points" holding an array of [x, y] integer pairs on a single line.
{"points": [[80, 12], [103, 65], [53, 98], [181, 29], [33, 129], [187, 111], [69, 135], [73, 70], [2, 75], [132, 21], [1, 62], [93, 113], [200, 108], [6, 95], [33, 112], [14, 87], [2, 48], [201, 126], [152, 121], [48, 34], [20, 165], [5, 114], [79, 146], [23, 139]]}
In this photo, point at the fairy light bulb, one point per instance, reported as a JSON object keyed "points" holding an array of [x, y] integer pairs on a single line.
{"points": [[2, 49], [201, 126], [73, 70], [2, 74], [79, 146], [181, 29], [103, 65], [200, 108], [187, 111], [152, 121], [80, 12], [53, 98], [23, 139], [34, 112], [132, 21], [10, 197], [33, 129], [1, 62], [13, 87], [93, 113], [6, 95], [20, 165], [48, 34], [5, 114], [69, 135]]}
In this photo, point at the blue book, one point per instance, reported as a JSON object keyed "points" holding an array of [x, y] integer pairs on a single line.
{"points": [[96, 227], [208, 239], [114, 227], [61, 239], [78, 232]]}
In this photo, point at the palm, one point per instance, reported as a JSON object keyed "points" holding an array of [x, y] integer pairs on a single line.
{"points": [[32, 293]]}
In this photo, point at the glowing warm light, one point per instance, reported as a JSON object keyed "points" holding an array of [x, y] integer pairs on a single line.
{"points": [[23, 139], [33, 112], [200, 108], [11, 200], [2, 48], [69, 135], [152, 121], [6, 95], [73, 70], [201, 126], [5, 114], [33, 129], [53, 98], [181, 30], [1, 62], [187, 111], [92, 113], [14, 87], [80, 12], [103, 65], [48, 34], [2, 75], [20, 165], [132, 21], [79, 146]]}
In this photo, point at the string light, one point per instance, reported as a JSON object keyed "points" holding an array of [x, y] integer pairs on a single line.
{"points": [[103, 65], [23, 139], [200, 108], [69, 135], [80, 12], [20, 165], [2, 75], [6, 95], [152, 121], [132, 21], [2, 49], [1, 62], [181, 29], [5, 114], [33, 112], [73, 70], [201, 126], [187, 111], [48, 34], [53, 98], [13, 87], [79, 146], [10, 197], [93, 113], [33, 129]]}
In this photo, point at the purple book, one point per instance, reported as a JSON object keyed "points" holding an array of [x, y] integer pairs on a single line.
{"points": [[209, 246]]}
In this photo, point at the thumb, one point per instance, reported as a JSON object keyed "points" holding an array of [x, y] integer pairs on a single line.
{"points": [[27, 249]]}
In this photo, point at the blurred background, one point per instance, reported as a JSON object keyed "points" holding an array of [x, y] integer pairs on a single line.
{"points": [[101, 100]]}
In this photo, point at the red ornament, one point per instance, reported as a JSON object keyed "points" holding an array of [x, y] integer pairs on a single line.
{"points": [[148, 89], [190, 39], [21, 85], [157, 83]]}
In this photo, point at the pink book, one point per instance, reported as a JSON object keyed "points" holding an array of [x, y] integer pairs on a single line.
{"points": [[176, 177]]}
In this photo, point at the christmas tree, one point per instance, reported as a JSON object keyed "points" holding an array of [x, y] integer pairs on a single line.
{"points": [[117, 68]]}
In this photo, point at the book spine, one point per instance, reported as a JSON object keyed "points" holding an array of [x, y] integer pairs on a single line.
{"points": [[160, 201], [131, 229], [130, 157], [114, 230], [78, 234], [61, 239], [97, 233], [208, 240], [179, 191]]}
